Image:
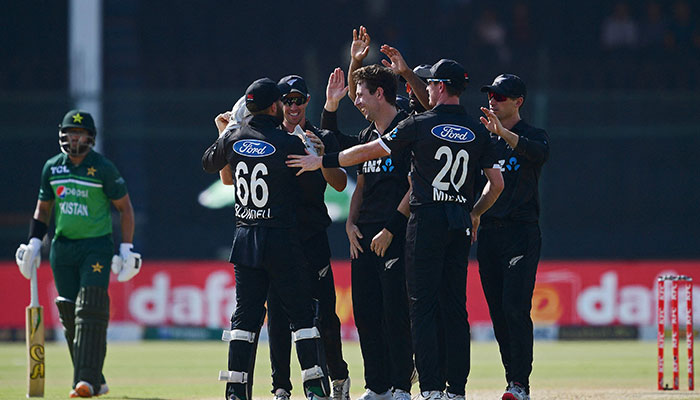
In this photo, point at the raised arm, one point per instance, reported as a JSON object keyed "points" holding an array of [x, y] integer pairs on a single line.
{"points": [[358, 51], [400, 67]]}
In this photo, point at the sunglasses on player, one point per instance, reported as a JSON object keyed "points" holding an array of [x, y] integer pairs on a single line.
{"points": [[497, 96], [435, 80], [294, 100]]}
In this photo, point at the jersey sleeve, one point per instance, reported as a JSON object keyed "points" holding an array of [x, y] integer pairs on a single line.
{"points": [[113, 184], [45, 190], [214, 158], [535, 147], [329, 141], [400, 138], [329, 121], [489, 158]]}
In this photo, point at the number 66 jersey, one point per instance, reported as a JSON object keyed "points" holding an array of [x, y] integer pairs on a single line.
{"points": [[448, 149], [267, 192]]}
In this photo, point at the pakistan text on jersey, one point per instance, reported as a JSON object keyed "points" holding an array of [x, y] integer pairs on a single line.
{"points": [[247, 213], [70, 208], [439, 195]]}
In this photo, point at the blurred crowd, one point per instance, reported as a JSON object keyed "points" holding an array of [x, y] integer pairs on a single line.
{"points": [[597, 44]]}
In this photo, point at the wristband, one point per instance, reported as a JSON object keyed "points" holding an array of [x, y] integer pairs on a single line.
{"points": [[397, 223], [331, 160], [37, 229]]}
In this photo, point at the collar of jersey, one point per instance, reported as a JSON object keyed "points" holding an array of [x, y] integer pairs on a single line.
{"points": [[450, 108]]}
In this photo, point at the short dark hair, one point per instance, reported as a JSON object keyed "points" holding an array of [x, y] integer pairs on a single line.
{"points": [[264, 110], [453, 91], [375, 76]]}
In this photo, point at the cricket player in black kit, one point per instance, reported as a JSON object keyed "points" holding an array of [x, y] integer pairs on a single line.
{"points": [[313, 220], [448, 148], [266, 250], [509, 240], [376, 231]]}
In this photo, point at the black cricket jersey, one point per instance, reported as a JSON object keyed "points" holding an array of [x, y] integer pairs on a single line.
{"points": [[329, 121], [267, 192], [448, 149], [312, 214], [386, 178], [521, 168]]}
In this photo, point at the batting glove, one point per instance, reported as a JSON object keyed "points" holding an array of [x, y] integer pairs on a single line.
{"points": [[28, 256], [130, 262]]}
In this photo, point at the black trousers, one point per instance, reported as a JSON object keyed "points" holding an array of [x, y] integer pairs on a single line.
{"points": [[380, 308], [508, 255], [436, 274], [319, 276], [280, 268]]}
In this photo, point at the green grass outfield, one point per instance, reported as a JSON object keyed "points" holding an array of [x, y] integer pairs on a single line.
{"points": [[188, 370]]}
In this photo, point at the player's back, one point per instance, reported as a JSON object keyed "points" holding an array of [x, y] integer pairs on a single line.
{"points": [[449, 150], [266, 190]]}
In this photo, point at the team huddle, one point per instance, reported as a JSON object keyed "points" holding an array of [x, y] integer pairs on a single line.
{"points": [[430, 177]]}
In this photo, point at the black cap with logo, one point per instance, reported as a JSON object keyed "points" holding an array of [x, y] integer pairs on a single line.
{"points": [[78, 119], [508, 85], [451, 72], [293, 84], [261, 94]]}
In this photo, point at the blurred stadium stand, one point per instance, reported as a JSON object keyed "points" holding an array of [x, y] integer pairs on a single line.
{"points": [[620, 183]]}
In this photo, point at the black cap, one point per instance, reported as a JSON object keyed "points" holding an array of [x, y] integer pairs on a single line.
{"points": [[451, 71], [293, 83], [403, 103], [78, 119], [422, 71], [508, 85], [261, 94]]}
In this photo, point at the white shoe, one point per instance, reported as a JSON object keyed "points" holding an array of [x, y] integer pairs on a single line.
{"points": [[432, 395], [515, 392], [370, 395], [340, 389], [82, 389], [281, 394], [450, 396], [104, 389], [401, 395]]}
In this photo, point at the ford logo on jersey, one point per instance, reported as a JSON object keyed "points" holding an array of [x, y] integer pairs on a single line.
{"points": [[253, 148], [453, 133]]}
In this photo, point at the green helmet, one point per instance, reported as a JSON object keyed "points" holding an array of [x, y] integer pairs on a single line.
{"points": [[76, 119]]}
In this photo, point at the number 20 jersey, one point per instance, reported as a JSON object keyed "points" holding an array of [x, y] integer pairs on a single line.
{"points": [[448, 149]]}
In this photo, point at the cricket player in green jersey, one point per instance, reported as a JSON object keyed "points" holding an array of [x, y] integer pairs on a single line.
{"points": [[79, 185]]}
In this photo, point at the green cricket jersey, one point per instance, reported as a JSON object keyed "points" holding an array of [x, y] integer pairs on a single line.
{"points": [[82, 194]]}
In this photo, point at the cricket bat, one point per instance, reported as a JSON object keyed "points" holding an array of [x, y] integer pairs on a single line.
{"points": [[35, 342]]}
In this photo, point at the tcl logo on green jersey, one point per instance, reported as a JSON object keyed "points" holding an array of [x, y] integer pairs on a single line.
{"points": [[61, 169], [71, 208]]}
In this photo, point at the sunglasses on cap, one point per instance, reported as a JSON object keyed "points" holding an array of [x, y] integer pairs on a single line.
{"points": [[294, 100], [434, 80], [497, 96]]}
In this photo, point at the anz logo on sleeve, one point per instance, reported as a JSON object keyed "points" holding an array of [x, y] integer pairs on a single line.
{"points": [[453, 133], [512, 164], [253, 148], [378, 165]]}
